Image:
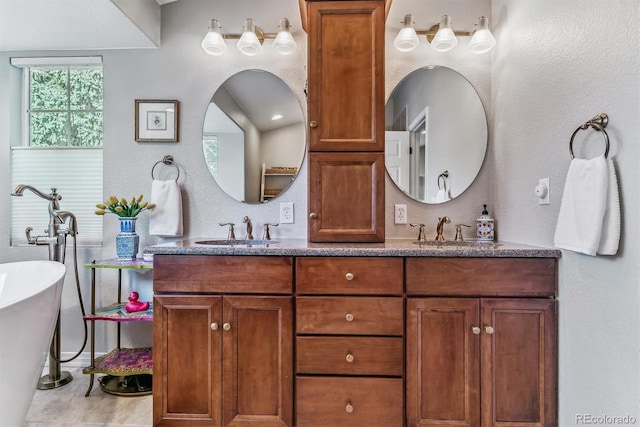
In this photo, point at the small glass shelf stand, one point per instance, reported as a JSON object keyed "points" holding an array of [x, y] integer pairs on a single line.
{"points": [[127, 370]]}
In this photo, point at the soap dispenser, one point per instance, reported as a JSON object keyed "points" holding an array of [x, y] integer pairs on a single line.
{"points": [[485, 226]]}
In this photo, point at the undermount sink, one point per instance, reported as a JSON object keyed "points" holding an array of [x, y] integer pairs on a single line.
{"points": [[464, 243], [236, 242]]}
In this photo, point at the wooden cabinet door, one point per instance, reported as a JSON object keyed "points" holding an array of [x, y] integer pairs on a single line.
{"points": [[258, 361], [187, 380], [442, 369], [519, 362], [346, 75], [346, 197]]}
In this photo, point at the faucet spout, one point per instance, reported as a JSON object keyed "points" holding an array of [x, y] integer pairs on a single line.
{"points": [[440, 228], [247, 221], [53, 197]]}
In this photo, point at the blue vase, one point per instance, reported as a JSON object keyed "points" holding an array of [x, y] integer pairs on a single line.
{"points": [[127, 241]]}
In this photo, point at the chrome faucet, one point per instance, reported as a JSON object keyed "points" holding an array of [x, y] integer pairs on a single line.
{"points": [[266, 235], [232, 234], [247, 221], [55, 237], [440, 228]]}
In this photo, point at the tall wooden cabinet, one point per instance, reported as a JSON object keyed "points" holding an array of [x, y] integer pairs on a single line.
{"points": [[346, 120], [223, 359]]}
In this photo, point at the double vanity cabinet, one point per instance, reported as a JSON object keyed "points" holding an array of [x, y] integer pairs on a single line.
{"points": [[383, 335]]}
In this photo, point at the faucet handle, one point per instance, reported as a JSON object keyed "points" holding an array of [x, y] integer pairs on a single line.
{"points": [[421, 235], [266, 235], [458, 237], [232, 235]]}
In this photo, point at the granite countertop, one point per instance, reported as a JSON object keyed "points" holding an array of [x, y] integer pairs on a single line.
{"points": [[392, 247]]}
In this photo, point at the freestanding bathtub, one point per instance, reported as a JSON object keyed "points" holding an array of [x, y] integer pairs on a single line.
{"points": [[30, 295]]}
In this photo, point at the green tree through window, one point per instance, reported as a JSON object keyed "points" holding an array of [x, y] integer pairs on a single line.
{"points": [[65, 107]]}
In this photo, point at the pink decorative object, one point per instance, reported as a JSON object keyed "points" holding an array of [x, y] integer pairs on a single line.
{"points": [[134, 305]]}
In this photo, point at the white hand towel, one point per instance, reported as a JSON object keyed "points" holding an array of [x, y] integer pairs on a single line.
{"points": [[166, 217], [583, 206], [610, 237], [443, 196]]}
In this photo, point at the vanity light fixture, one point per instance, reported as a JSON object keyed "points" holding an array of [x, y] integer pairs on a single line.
{"points": [[251, 40], [443, 38]]}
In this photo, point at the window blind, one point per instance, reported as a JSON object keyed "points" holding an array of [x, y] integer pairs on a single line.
{"points": [[76, 173]]}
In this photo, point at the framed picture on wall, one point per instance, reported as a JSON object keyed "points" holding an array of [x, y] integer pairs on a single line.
{"points": [[157, 120]]}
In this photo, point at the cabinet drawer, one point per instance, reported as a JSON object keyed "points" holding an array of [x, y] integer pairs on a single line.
{"points": [[223, 274], [353, 402], [345, 275], [349, 315], [349, 355], [526, 277]]}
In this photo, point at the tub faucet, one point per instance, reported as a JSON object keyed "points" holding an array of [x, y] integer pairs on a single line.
{"points": [[247, 221], [440, 228]]}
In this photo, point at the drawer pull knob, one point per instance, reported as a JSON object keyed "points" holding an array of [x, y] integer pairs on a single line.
{"points": [[349, 408], [349, 276], [476, 330], [214, 326], [488, 329], [313, 215], [226, 326], [313, 124], [349, 317], [349, 358]]}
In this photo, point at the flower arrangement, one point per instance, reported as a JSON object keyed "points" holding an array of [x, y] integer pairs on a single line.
{"points": [[122, 208]]}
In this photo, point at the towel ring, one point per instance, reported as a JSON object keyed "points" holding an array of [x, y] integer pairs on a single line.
{"points": [[167, 160], [444, 175], [598, 123]]}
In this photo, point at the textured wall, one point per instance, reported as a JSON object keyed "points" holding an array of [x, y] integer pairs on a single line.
{"points": [[556, 65]]}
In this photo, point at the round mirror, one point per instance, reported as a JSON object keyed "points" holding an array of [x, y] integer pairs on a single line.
{"points": [[254, 136], [436, 134]]}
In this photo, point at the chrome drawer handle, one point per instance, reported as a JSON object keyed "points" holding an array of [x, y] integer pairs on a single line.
{"points": [[349, 358], [348, 408], [214, 326], [349, 317], [476, 330], [349, 276], [226, 326]]}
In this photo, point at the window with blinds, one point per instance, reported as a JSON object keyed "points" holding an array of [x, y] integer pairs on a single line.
{"points": [[60, 144]]}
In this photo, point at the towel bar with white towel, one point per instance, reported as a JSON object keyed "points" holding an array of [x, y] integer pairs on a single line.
{"points": [[597, 123], [166, 218]]}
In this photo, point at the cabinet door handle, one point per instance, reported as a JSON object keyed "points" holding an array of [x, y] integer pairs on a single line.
{"points": [[226, 326], [313, 215], [476, 330], [349, 408], [349, 317], [349, 358], [349, 276], [214, 326], [313, 123], [488, 329]]}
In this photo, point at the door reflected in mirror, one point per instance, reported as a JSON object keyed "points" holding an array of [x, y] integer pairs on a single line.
{"points": [[254, 137], [436, 134]]}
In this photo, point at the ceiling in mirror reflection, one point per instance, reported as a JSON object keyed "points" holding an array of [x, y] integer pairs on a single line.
{"points": [[251, 156]]}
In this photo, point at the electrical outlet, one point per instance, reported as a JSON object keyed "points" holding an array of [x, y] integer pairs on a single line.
{"points": [[286, 213], [400, 214]]}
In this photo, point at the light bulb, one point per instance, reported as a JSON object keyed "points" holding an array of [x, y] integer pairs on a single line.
{"points": [[249, 43], [213, 43], [284, 43], [407, 39], [482, 40], [445, 39]]}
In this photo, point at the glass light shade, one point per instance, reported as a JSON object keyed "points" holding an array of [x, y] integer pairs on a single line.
{"points": [[407, 39], [213, 43], [482, 40], [249, 43], [445, 39], [284, 43]]}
